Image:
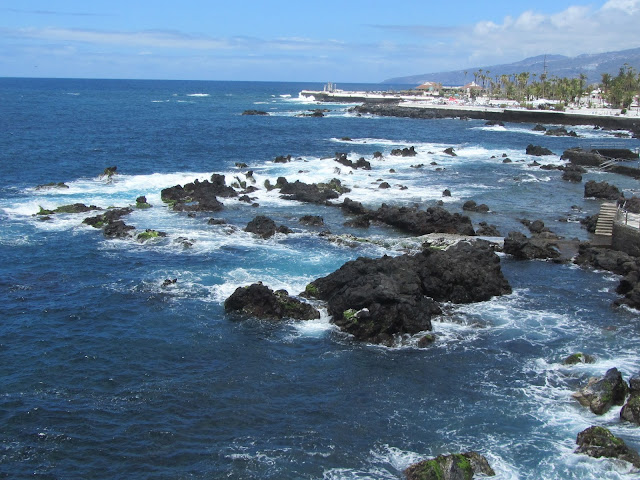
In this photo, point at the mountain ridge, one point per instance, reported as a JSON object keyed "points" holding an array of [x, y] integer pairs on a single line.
{"points": [[591, 64]]}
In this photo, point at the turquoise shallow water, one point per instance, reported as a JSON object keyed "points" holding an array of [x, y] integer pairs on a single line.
{"points": [[105, 374]]}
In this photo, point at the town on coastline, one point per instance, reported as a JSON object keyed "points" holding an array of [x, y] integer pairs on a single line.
{"points": [[614, 102]]}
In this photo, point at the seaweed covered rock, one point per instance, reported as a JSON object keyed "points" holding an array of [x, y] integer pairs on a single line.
{"points": [[458, 466], [258, 300], [599, 442], [631, 410], [593, 189], [577, 358], [601, 393], [71, 208], [377, 299]]}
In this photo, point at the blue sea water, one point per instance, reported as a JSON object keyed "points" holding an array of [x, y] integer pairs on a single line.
{"points": [[106, 374]]}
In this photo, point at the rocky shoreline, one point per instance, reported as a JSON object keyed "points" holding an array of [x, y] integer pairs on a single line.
{"points": [[499, 115]]}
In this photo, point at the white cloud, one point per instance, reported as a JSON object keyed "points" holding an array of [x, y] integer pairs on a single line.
{"points": [[628, 6]]}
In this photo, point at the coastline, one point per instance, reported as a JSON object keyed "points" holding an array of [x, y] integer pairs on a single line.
{"points": [[386, 104]]}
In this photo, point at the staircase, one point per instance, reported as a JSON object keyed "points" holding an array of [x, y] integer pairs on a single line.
{"points": [[606, 217], [607, 164]]}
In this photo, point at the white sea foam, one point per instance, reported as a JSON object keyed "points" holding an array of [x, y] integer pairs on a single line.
{"points": [[198, 95]]}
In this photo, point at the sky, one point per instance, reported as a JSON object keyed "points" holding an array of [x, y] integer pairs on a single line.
{"points": [[360, 41]]}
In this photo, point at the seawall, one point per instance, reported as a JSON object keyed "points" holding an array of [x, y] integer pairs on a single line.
{"points": [[504, 115]]}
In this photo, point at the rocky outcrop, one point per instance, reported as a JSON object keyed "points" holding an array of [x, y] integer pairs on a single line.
{"points": [[573, 173], [258, 300], [72, 208], [593, 189], [487, 230], [198, 196], [631, 410], [52, 185], [616, 262], [459, 466], [141, 202], [529, 248], [342, 159], [404, 152], [472, 206], [601, 394], [378, 299], [265, 227], [577, 358], [600, 442], [312, 220], [585, 158], [537, 150], [422, 222], [254, 112], [118, 229], [560, 132], [632, 204], [310, 193], [601, 258]]}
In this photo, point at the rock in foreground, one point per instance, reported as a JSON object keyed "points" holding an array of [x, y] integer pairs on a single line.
{"points": [[378, 299], [599, 442], [459, 466], [601, 393], [258, 300]]}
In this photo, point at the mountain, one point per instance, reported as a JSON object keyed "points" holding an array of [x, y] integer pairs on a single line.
{"points": [[593, 65]]}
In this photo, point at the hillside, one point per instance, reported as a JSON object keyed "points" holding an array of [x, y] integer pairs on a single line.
{"points": [[593, 65]]}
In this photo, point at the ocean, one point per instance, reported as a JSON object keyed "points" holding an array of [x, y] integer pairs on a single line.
{"points": [[107, 374]]}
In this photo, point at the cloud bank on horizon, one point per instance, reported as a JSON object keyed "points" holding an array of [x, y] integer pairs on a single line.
{"points": [[365, 42]]}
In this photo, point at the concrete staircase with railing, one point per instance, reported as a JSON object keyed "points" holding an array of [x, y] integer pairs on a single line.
{"points": [[604, 226]]}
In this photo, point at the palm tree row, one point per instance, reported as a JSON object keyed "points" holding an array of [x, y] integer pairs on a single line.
{"points": [[618, 91]]}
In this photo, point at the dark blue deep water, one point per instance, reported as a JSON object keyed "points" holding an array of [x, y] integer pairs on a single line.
{"points": [[106, 374]]}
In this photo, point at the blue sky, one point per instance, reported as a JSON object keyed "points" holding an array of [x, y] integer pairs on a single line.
{"points": [[285, 40]]}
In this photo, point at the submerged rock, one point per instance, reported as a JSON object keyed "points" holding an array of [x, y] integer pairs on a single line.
{"points": [[377, 299], [600, 442], [601, 393], [459, 466], [52, 185], [258, 300]]}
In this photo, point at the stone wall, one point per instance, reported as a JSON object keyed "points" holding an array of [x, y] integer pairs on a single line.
{"points": [[626, 239]]}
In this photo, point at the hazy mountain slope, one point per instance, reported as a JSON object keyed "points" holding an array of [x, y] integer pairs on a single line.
{"points": [[593, 65]]}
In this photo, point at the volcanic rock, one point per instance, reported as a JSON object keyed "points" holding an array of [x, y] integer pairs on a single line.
{"points": [[601, 393], [600, 442], [537, 150], [258, 300], [377, 299], [459, 466], [525, 248], [593, 189]]}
